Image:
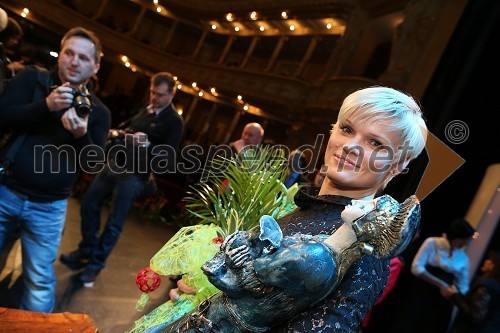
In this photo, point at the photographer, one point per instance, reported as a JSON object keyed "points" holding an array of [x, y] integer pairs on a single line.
{"points": [[38, 107], [146, 143]]}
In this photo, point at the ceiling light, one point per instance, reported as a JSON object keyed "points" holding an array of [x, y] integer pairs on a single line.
{"points": [[253, 15], [54, 54], [284, 15], [127, 64], [25, 12], [194, 84], [240, 97], [245, 107], [236, 28], [179, 111], [261, 28], [158, 9], [214, 27], [329, 26], [155, 2], [200, 93], [212, 90], [292, 27], [179, 86], [124, 58], [229, 17], [175, 78]]}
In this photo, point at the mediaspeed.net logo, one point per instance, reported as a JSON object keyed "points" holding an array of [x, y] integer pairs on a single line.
{"points": [[191, 159]]}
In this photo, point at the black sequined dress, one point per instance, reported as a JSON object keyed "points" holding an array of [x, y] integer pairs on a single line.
{"points": [[345, 309]]}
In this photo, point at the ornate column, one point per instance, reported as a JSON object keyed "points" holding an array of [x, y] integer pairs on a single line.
{"points": [[346, 46], [307, 55], [419, 42], [276, 53], [199, 45], [226, 50], [169, 36], [250, 50]]}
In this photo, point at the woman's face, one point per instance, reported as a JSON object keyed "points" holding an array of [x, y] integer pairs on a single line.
{"points": [[360, 156]]}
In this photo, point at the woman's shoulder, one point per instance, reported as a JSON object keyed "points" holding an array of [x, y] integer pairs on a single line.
{"points": [[432, 242]]}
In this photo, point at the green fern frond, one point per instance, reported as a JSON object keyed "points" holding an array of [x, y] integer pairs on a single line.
{"points": [[240, 190]]}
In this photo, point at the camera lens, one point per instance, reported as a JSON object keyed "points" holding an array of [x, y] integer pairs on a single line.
{"points": [[82, 107], [81, 101]]}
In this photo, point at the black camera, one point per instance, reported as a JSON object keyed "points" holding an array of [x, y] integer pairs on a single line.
{"points": [[81, 101]]}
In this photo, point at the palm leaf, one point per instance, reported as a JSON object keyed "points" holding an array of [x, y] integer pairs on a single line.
{"points": [[253, 187]]}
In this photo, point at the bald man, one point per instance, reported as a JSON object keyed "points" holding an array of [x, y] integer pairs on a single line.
{"points": [[252, 135]]}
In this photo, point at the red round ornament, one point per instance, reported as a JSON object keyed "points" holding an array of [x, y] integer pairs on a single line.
{"points": [[148, 280], [218, 240]]}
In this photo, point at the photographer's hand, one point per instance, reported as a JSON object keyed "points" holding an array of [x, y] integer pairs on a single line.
{"points": [[74, 124], [140, 139], [60, 98], [113, 132]]}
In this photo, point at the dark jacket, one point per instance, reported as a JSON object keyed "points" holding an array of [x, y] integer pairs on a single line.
{"points": [[46, 176], [480, 308], [345, 309], [164, 131]]}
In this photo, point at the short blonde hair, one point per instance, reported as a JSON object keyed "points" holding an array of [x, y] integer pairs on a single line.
{"points": [[384, 103]]}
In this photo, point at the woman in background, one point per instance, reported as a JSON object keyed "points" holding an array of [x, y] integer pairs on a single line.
{"points": [[439, 264]]}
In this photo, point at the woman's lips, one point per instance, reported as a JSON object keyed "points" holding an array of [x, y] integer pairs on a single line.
{"points": [[345, 162]]}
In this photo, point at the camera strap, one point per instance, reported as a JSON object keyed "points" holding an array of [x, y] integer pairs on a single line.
{"points": [[6, 163]]}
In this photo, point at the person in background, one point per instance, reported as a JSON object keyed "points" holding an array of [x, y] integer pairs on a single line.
{"points": [[155, 130], [395, 267], [319, 177], [297, 166], [37, 106], [252, 134], [10, 38], [4, 19], [439, 264], [389, 316], [369, 118], [480, 307]]}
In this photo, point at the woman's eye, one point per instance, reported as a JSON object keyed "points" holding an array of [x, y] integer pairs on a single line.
{"points": [[346, 129], [376, 143]]}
